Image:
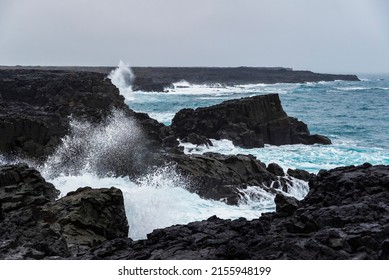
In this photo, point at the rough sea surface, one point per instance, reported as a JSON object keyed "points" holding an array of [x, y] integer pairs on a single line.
{"points": [[353, 114]]}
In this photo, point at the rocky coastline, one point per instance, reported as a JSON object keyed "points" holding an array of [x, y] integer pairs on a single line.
{"points": [[162, 78], [344, 216]]}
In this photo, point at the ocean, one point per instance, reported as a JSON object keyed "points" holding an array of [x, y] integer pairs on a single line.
{"points": [[354, 115]]}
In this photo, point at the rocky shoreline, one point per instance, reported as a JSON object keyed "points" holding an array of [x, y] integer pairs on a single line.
{"points": [[162, 78], [344, 216]]}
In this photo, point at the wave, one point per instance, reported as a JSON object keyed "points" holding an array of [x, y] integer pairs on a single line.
{"points": [[160, 199], [312, 158], [361, 88], [97, 148], [122, 77]]}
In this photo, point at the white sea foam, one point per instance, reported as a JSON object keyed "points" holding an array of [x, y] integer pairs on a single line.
{"points": [[163, 117], [90, 153], [308, 157], [160, 199], [122, 77], [98, 149]]}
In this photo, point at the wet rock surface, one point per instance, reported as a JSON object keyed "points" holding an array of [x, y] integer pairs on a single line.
{"points": [[344, 216], [220, 177], [35, 107], [248, 122], [34, 225]]}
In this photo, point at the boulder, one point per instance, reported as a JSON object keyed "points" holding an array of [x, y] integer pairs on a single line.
{"points": [[300, 174], [223, 177], [87, 217], [275, 169], [33, 225], [248, 122], [344, 216], [36, 105]]}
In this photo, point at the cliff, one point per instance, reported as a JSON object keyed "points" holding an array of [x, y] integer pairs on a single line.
{"points": [[247, 122]]}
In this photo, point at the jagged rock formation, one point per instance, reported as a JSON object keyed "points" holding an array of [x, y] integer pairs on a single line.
{"points": [[344, 216], [35, 107], [222, 177], [247, 122], [161, 78], [33, 225]]}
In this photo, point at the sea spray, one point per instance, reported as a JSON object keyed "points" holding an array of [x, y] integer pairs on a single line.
{"points": [[122, 77], [91, 154], [109, 148], [160, 199]]}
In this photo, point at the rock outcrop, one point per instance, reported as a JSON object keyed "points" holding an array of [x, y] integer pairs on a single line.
{"points": [[33, 225], [247, 122], [344, 216], [223, 177], [161, 78], [35, 107]]}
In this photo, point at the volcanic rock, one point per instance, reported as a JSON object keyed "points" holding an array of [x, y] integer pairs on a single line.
{"points": [[275, 169], [162, 78], [223, 177], [344, 216], [35, 226], [248, 122], [35, 107], [300, 174]]}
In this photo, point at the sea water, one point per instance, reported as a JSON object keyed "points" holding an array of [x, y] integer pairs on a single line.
{"points": [[353, 114]]}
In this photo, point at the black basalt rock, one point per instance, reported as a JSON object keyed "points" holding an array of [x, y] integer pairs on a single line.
{"points": [[344, 216], [34, 225], [275, 169], [248, 122]]}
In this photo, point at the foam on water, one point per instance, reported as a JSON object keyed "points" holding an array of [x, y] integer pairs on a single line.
{"points": [[89, 155], [160, 199], [308, 157]]}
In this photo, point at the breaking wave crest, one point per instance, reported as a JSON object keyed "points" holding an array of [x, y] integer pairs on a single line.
{"points": [[122, 77], [101, 149], [91, 154]]}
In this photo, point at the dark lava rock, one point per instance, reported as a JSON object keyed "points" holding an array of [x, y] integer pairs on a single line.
{"points": [[285, 205], [36, 105], [344, 216], [222, 177], [275, 169], [35, 226], [300, 174], [248, 122], [21, 186], [161, 78]]}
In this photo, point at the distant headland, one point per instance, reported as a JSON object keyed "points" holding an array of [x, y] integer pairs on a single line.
{"points": [[160, 78]]}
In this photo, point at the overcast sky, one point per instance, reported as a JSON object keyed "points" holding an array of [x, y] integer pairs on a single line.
{"points": [[324, 36]]}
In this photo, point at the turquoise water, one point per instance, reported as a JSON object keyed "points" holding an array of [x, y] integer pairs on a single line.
{"points": [[353, 114]]}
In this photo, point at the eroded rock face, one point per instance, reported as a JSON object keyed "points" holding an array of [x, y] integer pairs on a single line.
{"points": [[35, 107], [344, 216], [247, 122], [33, 225], [221, 177]]}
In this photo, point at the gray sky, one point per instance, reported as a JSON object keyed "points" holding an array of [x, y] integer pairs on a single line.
{"points": [[324, 36]]}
